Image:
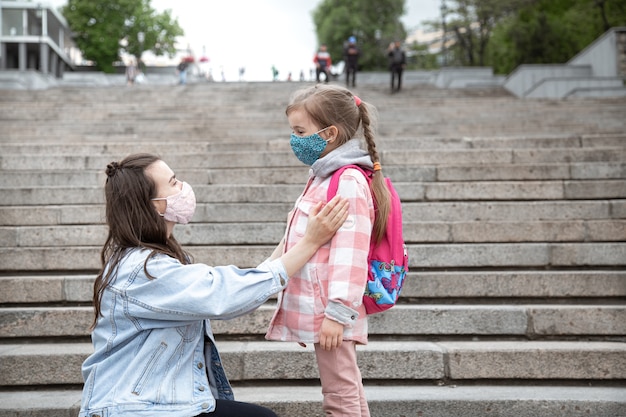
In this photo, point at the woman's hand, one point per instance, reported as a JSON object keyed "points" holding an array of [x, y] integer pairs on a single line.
{"points": [[325, 219], [331, 334]]}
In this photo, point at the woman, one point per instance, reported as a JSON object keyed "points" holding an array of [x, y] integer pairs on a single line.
{"points": [[154, 352]]}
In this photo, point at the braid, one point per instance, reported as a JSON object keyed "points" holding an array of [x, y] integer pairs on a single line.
{"points": [[382, 198]]}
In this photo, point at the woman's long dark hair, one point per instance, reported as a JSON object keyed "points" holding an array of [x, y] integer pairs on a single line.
{"points": [[132, 219]]}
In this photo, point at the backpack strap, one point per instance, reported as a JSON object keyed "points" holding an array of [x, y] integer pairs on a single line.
{"points": [[334, 180]]}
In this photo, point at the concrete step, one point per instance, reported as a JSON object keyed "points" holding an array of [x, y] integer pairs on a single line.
{"points": [[266, 233], [503, 156], [284, 193], [85, 148], [416, 321], [384, 401], [61, 146], [202, 101], [59, 363], [94, 213], [299, 175], [413, 212], [492, 287], [285, 158], [445, 255]]}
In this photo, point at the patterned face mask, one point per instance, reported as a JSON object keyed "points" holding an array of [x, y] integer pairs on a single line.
{"points": [[308, 149], [180, 206]]}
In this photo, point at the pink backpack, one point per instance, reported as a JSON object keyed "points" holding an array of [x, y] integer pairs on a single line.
{"points": [[388, 259]]}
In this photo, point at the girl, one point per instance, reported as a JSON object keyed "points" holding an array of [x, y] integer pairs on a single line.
{"points": [[323, 302], [154, 352]]}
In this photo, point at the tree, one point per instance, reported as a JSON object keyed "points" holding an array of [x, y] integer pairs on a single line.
{"points": [[375, 23], [101, 28], [552, 31], [471, 23]]}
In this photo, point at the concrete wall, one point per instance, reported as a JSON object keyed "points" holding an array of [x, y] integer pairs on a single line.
{"points": [[448, 77], [596, 67], [601, 55], [525, 78], [564, 87]]}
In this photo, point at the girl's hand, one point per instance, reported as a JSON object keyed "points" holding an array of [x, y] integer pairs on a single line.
{"points": [[325, 219], [331, 334]]}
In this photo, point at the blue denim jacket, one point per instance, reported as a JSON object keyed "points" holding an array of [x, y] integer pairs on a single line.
{"points": [[154, 352]]}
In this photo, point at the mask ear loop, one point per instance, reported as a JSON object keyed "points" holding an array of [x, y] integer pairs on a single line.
{"points": [[328, 127], [159, 199]]}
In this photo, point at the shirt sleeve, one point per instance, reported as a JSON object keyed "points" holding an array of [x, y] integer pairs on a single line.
{"points": [[197, 291], [348, 265]]}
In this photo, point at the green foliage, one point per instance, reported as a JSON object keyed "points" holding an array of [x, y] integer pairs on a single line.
{"points": [[551, 31], [99, 28], [420, 58], [470, 23], [375, 23]]}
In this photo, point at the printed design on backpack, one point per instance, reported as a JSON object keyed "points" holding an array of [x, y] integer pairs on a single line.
{"points": [[385, 288], [388, 259]]}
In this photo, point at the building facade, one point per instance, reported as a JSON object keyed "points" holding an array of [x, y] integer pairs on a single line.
{"points": [[34, 36]]}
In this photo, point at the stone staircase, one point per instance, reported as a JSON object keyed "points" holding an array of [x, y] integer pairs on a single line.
{"points": [[515, 217]]}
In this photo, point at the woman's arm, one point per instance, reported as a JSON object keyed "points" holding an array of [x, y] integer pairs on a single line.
{"points": [[278, 250], [324, 221]]}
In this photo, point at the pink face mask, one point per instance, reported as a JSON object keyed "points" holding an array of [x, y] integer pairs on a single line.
{"points": [[180, 206]]}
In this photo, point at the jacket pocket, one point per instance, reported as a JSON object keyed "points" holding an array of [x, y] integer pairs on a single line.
{"points": [[148, 369], [301, 216]]}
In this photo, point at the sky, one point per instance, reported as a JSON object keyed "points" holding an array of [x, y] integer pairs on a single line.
{"points": [[257, 34]]}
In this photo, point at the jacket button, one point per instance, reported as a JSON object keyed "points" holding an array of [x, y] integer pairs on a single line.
{"points": [[205, 405], [352, 318], [200, 365], [201, 389]]}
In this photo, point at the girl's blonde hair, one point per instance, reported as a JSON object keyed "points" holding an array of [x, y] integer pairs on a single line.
{"points": [[334, 105]]}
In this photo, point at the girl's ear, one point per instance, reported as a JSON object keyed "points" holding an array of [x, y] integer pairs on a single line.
{"points": [[332, 132]]}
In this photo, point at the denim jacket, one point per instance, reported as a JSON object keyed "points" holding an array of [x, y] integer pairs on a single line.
{"points": [[154, 352]]}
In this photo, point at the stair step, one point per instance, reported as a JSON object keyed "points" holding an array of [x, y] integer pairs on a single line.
{"points": [[60, 363], [63, 147], [494, 286], [412, 212], [281, 193], [504, 156], [299, 175], [409, 320], [284, 158], [461, 255], [266, 233], [384, 401]]}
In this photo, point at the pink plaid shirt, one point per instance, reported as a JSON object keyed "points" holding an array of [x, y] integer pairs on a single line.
{"points": [[331, 284]]}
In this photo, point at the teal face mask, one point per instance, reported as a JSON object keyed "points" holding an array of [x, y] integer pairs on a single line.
{"points": [[308, 149]]}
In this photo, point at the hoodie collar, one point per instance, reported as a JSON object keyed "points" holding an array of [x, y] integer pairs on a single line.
{"points": [[350, 153]]}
